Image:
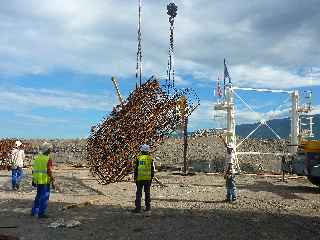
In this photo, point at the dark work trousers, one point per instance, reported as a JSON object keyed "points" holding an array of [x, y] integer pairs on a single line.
{"points": [[146, 185], [231, 188]]}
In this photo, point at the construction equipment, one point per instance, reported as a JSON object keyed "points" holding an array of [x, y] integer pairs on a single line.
{"points": [[114, 80], [149, 113], [146, 116], [307, 161]]}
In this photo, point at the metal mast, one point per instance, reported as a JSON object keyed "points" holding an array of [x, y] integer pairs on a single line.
{"points": [[228, 106], [231, 122], [294, 122]]}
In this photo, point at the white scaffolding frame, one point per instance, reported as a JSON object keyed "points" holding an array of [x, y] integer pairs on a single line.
{"points": [[228, 105]]}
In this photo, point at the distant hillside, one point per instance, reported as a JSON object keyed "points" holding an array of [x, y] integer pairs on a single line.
{"points": [[281, 126]]}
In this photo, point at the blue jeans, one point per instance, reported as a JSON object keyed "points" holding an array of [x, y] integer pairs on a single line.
{"points": [[16, 177], [41, 201], [231, 188]]}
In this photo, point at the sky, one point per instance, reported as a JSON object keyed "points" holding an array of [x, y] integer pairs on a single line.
{"points": [[57, 58]]}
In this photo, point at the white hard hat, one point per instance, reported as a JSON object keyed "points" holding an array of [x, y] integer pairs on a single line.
{"points": [[231, 145], [145, 148], [18, 143]]}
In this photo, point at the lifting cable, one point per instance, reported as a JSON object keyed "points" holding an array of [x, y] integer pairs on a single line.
{"points": [[172, 12], [252, 132], [139, 51], [273, 131], [262, 122]]}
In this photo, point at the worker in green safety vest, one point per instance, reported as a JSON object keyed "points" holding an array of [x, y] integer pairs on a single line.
{"points": [[143, 174], [42, 178]]}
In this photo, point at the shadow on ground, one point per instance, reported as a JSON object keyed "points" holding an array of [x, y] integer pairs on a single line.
{"points": [[274, 186], [283, 190], [115, 222], [67, 185]]}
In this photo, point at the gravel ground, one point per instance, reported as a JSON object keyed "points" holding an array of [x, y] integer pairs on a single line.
{"points": [[190, 207]]}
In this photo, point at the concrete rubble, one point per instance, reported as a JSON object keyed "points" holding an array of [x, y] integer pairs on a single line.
{"points": [[62, 223]]}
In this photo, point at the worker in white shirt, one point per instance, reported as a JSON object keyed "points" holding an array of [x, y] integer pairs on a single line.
{"points": [[229, 171], [17, 158], [230, 153]]}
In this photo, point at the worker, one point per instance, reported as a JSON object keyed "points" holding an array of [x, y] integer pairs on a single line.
{"points": [[283, 167], [42, 178], [143, 174], [17, 159], [230, 183], [229, 171], [230, 154]]}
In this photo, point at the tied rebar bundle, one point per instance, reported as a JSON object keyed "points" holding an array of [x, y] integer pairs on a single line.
{"points": [[144, 118], [6, 146]]}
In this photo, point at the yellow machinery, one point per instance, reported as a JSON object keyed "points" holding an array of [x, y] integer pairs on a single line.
{"points": [[307, 161]]}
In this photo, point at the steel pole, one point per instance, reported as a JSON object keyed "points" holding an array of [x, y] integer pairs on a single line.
{"points": [[185, 144], [114, 80], [294, 122]]}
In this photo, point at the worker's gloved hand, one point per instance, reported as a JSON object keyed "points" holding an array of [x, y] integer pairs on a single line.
{"points": [[53, 185], [34, 184]]}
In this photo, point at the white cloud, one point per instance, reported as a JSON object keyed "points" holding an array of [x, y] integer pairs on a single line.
{"points": [[29, 98], [316, 110], [203, 116], [37, 119], [99, 36], [253, 117], [267, 76], [206, 117], [181, 82]]}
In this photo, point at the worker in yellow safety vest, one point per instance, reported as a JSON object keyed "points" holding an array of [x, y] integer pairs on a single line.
{"points": [[143, 174], [42, 178]]}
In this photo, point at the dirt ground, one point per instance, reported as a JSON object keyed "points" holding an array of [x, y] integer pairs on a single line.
{"points": [[190, 207]]}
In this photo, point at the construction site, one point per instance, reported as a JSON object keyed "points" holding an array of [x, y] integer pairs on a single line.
{"points": [[94, 180]]}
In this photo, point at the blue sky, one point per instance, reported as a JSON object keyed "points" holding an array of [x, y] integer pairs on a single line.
{"points": [[57, 58]]}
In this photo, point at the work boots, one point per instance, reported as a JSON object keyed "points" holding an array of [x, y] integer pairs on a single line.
{"points": [[136, 210], [147, 209]]}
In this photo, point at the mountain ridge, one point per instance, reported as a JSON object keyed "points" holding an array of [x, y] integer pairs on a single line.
{"points": [[280, 126]]}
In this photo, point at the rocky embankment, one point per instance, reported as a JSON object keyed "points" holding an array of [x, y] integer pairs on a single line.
{"points": [[71, 151], [205, 153]]}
